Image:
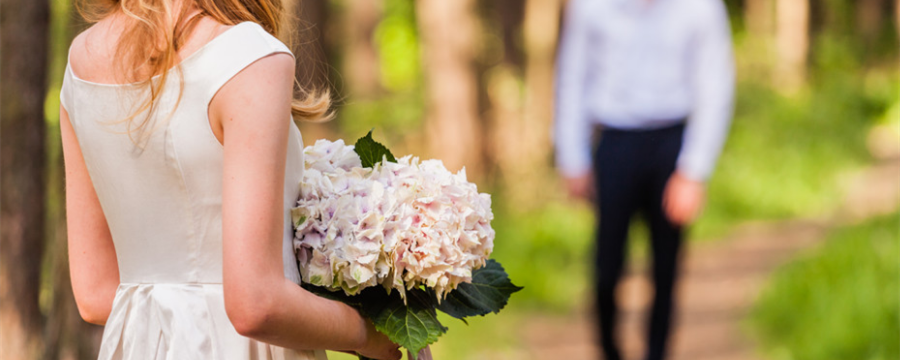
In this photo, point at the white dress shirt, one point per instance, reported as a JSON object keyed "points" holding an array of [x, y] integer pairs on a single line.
{"points": [[644, 64]]}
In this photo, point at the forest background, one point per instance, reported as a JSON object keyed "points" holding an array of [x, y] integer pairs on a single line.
{"points": [[471, 82]]}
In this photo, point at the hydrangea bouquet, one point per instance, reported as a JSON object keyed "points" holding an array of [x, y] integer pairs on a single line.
{"points": [[399, 239]]}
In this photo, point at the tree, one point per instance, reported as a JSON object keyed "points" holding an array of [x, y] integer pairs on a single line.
{"points": [[897, 16], [758, 16], [308, 35], [792, 41], [309, 43], [448, 33], [869, 18], [360, 61], [23, 43]]}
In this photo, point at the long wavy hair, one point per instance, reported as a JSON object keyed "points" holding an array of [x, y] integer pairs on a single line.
{"points": [[157, 29]]}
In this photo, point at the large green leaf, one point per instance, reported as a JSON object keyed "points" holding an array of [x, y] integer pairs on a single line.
{"points": [[371, 152], [488, 292], [413, 325]]}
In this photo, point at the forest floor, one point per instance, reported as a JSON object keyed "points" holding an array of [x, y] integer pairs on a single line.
{"points": [[720, 280]]}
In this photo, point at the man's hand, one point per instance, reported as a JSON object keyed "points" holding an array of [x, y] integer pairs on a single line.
{"points": [[581, 187], [683, 199]]}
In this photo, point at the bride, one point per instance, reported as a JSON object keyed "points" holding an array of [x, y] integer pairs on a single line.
{"points": [[182, 163]]}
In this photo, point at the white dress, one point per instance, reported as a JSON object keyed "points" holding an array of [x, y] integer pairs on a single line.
{"points": [[163, 204]]}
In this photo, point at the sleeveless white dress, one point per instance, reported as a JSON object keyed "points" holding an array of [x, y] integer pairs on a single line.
{"points": [[163, 204]]}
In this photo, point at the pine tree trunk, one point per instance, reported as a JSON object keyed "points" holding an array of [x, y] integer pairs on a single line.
{"points": [[308, 33], [541, 34], [897, 16], [448, 33], [869, 18], [792, 39], [23, 45], [360, 63], [758, 17], [309, 44]]}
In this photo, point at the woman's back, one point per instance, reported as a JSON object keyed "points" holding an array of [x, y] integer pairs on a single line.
{"points": [[161, 193]]}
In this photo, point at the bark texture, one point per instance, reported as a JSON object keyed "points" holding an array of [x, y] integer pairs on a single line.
{"points": [[309, 44], [758, 16], [23, 45], [792, 40], [448, 32], [360, 64]]}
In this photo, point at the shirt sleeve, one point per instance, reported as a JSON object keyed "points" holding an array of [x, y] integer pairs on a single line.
{"points": [[572, 135], [713, 80]]}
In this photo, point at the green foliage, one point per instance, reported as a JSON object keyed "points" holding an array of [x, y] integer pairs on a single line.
{"points": [[840, 302], [398, 46], [372, 152], [548, 251], [785, 153], [413, 325], [400, 109], [488, 292]]}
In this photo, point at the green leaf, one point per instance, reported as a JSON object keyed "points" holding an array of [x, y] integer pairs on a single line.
{"points": [[414, 325], [371, 152], [488, 292]]}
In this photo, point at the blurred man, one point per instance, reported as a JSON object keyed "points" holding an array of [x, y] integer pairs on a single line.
{"points": [[658, 77]]}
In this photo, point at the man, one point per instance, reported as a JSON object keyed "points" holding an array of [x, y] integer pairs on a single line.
{"points": [[657, 76]]}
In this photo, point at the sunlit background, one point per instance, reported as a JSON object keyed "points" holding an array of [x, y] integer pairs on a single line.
{"points": [[797, 255]]}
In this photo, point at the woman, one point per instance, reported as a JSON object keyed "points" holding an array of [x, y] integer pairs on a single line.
{"points": [[182, 163]]}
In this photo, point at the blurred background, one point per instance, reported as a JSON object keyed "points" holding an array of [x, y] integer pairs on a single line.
{"points": [[797, 255]]}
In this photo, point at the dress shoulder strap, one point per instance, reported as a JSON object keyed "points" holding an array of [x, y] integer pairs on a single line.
{"points": [[229, 53]]}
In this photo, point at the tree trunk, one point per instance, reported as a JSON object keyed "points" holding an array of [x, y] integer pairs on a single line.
{"points": [[23, 44], [897, 16], [758, 17], [309, 44], [360, 63], [792, 40], [869, 18], [523, 146], [448, 33]]}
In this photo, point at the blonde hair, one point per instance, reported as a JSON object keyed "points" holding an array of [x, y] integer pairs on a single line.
{"points": [[153, 24]]}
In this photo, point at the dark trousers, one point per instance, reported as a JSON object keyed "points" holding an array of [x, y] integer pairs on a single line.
{"points": [[631, 171]]}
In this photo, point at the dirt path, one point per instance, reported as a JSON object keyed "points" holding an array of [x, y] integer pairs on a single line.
{"points": [[719, 283]]}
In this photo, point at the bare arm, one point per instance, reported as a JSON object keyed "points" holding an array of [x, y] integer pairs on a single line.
{"points": [[253, 110], [92, 256]]}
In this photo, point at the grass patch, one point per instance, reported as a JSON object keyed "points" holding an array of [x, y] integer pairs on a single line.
{"points": [[839, 302]]}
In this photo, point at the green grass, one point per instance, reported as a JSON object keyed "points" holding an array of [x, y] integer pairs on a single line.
{"points": [[839, 302]]}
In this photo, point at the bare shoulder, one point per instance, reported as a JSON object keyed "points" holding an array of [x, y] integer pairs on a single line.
{"points": [[90, 51]]}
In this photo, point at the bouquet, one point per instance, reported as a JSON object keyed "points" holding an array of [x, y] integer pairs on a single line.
{"points": [[398, 239]]}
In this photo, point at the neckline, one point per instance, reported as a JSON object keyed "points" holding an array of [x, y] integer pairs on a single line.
{"points": [[180, 64]]}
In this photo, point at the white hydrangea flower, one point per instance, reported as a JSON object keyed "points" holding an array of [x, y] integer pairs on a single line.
{"points": [[399, 225]]}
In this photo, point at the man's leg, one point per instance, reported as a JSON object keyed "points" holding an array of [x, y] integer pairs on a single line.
{"points": [[665, 240], [614, 171]]}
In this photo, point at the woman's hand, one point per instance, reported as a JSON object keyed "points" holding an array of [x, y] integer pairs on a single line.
{"points": [[378, 346], [683, 199]]}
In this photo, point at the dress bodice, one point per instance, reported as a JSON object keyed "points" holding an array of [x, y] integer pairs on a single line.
{"points": [[161, 192]]}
